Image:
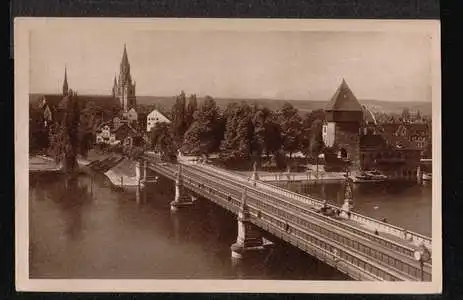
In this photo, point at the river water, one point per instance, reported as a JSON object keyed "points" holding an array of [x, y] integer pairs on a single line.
{"points": [[90, 230], [406, 204]]}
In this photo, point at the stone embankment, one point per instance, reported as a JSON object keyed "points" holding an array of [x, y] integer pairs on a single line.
{"points": [[43, 164], [123, 174], [118, 169]]}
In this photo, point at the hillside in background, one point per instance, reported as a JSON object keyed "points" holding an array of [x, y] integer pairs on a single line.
{"points": [[305, 106], [165, 103]]}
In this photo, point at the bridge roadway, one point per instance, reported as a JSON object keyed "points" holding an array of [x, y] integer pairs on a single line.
{"points": [[344, 244]]}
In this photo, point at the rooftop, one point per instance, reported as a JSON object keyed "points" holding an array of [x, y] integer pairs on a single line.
{"points": [[344, 100]]}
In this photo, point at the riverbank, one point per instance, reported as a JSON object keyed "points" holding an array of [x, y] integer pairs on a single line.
{"points": [[43, 164], [123, 174], [46, 164], [120, 171]]}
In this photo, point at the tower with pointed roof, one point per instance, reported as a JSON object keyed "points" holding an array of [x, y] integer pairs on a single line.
{"points": [[344, 119], [65, 83], [124, 87]]}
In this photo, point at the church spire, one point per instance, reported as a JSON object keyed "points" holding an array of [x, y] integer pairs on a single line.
{"points": [[125, 59], [65, 83], [124, 89]]}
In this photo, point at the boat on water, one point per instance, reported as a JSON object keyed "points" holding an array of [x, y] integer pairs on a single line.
{"points": [[427, 176], [369, 176]]}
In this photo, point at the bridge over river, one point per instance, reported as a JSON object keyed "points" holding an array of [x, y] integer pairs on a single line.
{"points": [[359, 246]]}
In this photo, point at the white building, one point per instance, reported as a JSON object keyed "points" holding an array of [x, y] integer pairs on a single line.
{"points": [[153, 118], [105, 135], [131, 115]]}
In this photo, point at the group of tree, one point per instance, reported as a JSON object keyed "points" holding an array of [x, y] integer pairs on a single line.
{"points": [[64, 134], [241, 132], [69, 133]]}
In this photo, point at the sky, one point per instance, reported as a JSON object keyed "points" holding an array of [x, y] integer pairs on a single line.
{"points": [[291, 65]]}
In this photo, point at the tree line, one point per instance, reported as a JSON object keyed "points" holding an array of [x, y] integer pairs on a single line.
{"points": [[242, 132]]}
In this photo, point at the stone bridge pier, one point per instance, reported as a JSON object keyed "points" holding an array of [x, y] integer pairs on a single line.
{"points": [[182, 197], [249, 237], [143, 174]]}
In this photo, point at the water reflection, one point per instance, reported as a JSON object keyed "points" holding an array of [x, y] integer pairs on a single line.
{"points": [[72, 195], [177, 225], [86, 229]]}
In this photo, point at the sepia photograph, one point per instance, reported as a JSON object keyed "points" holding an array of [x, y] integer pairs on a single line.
{"points": [[212, 155]]}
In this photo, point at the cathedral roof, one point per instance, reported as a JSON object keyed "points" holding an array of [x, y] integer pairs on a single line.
{"points": [[125, 59], [65, 83], [51, 100], [344, 100], [125, 78]]}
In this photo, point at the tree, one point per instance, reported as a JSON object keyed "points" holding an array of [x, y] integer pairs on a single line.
{"points": [[307, 131], [191, 109], [87, 122], [316, 139], [202, 136], [65, 140], [238, 135], [291, 124], [178, 118], [259, 133], [38, 133], [266, 136], [273, 138], [162, 140]]}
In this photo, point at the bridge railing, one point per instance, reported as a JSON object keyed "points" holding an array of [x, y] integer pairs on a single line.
{"points": [[351, 256], [367, 221], [169, 170]]}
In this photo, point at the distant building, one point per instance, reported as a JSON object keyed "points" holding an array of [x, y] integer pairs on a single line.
{"points": [[52, 105], [153, 118], [417, 135], [356, 141], [105, 135], [344, 118], [399, 161], [131, 116], [65, 83], [110, 135], [124, 88], [125, 134], [117, 122]]}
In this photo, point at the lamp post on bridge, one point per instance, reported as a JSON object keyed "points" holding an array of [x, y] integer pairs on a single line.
{"points": [[348, 195], [422, 255], [254, 176]]}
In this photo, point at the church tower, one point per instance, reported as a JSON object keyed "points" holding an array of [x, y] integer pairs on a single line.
{"points": [[123, 87], [344, 119], [65, 83]]}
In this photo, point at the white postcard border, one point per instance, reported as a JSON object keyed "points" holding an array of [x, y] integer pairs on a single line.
{"points": [[21, 53]]}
